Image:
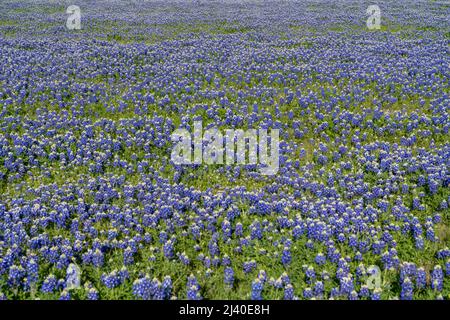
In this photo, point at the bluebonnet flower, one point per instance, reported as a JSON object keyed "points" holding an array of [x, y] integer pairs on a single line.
{"points": [[239, 230], [346, 286], [376, 294], [146, 288], [128, 256], [49, 284], [213, 248], [123, 274], [320, 259], [97, 258], [407, 269], [184, 258], [148, 238], [141, 288], [308, 293], [421, 280], [166, 287], [168, 249], [407, 289], [334, 293], [447, 268], [111, 280], [16, 274], [289, 292], [226, 229], [32, 271], [319, 289], [229, 276], [193, 289], [256, 230], [249, 266], [430, 234], [443, 253], [163, 237], [285, 278], [257, 288], [262, 275], [193, 293], [65, 295], [364, 291], [208, 262], [226, 261], [437, 276], [92, 294], [278, 283], [419, 243], [310, 274], [286, 256]]}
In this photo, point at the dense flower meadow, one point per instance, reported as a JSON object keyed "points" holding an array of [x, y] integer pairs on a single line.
{"points": [[87, 185]]}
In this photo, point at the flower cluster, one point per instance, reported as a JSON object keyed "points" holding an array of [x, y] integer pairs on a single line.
{"points": [[86, 176]]}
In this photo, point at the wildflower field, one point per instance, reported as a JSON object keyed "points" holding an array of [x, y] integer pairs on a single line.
{"points": [[92, 206]]}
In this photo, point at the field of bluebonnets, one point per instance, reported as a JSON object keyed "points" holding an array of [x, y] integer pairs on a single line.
{"points": [[86, 175]]}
